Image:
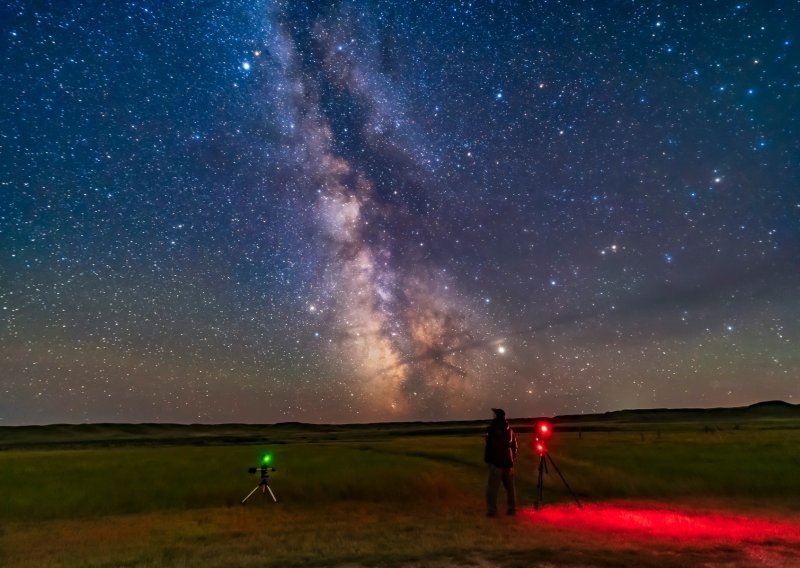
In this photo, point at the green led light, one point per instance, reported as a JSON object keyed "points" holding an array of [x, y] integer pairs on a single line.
{"points": [[266, 459]]}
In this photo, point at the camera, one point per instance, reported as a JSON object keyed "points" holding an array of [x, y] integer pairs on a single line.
{"points": [[264, 469]]}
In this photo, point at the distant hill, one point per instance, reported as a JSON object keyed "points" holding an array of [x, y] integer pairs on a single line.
{"points": [[773, 405], [763, 415], [772, 409]]}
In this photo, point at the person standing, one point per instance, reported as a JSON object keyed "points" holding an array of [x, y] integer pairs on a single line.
{"points": [[499, 453]]}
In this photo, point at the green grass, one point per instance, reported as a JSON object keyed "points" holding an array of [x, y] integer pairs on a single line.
{"points": [[376, 499], [89, 483], [755, 465]]}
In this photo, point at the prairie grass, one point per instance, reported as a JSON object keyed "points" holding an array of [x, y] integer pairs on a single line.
{"points": [[389, 501]]}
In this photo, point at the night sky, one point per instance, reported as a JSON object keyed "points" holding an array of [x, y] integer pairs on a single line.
{"points": [[253, 211]]}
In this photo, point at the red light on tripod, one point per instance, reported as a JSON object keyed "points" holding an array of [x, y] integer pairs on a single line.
{"points": [[540, 447], [544, 430]]}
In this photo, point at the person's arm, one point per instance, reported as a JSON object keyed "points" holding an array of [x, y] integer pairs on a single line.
{"points": [[514, 445]]}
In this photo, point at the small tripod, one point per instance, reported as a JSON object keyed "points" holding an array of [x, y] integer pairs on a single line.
{"points": [[263, 484], [544, 455]]}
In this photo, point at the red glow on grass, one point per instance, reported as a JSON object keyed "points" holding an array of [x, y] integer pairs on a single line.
{"points": [[664, 523]]}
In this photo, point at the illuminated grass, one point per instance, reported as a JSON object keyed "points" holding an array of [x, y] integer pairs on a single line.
{"points": [[388, 500]]}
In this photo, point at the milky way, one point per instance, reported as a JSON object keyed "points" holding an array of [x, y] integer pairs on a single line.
{"points": [[379, 294], [356, 211]]}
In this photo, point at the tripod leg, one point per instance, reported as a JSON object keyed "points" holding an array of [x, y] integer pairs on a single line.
{"points": [[249, 494], [271, 493], [540, 483], [558, 471]]}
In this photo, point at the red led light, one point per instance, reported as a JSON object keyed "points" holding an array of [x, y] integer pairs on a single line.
{"points": [[544, 430]]}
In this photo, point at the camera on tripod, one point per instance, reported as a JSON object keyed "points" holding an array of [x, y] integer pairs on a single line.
{"points": [[264, 469], [543, 432]]}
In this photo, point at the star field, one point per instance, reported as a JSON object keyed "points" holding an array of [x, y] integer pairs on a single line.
{"points": [[361, 211]]}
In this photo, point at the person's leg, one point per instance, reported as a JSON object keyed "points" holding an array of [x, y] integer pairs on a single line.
{"points": [[492, 485], [511, 494]]}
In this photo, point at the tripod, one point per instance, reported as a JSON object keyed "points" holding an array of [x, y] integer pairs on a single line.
{"points": [[544, 455], [263, 484]]}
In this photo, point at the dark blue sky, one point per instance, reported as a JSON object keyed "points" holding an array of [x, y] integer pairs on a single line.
{"points": [[269, 211]]}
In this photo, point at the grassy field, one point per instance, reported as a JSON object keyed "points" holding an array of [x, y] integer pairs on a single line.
{"points": [[400, 496]]}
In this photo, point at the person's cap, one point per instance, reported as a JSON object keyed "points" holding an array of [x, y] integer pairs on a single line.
{"points": [[499, 412]]}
